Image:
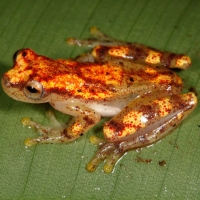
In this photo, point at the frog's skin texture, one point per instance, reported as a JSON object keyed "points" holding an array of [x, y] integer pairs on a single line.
{"points": [[130, 82]]}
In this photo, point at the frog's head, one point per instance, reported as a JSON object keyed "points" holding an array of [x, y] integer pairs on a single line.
{"points": [[28, 76]]}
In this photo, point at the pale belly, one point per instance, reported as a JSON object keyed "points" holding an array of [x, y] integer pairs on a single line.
{"points": [[105, 109]]}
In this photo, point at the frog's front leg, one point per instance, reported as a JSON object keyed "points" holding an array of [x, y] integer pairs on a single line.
{"points": [[84, 119], [141, 123]]}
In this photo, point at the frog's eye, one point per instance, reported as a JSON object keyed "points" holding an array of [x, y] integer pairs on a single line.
{"points": [[16, 54], [33, 90], [21, 52]]}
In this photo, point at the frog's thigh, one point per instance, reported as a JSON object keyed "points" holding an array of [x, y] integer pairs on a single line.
{"points": [[146, 120]]}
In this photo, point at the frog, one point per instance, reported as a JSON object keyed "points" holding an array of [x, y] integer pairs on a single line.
{"points": [[131, 84]]}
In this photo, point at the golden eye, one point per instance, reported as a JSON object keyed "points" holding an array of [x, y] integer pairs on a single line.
{"points": [[33, 90]]}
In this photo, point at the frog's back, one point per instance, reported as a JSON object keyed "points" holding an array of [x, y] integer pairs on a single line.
{"points": [[99, 81]]}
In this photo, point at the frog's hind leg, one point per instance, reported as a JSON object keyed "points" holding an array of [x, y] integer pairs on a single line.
{"points": [[98, 38], [141, 123], [108, 48], [108, 152]]}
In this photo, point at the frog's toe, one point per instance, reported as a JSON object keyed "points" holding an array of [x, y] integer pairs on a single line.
{"points": [[27, 122], [92, 165], [107, 152], [108, 168], [44, 130], [110, 161], [29, 142], [97, 141]]}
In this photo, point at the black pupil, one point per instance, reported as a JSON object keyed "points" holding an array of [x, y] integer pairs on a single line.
{"points": [[32, 89], [24, 54]]}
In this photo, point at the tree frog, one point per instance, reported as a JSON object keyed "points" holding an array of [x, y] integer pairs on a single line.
{"points": [[131, 83]]}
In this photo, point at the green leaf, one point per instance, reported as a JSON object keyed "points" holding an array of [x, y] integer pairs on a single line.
{"points": [[58, 171]]}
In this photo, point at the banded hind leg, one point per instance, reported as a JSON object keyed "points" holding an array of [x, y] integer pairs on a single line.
{"points": [[107, 48]]}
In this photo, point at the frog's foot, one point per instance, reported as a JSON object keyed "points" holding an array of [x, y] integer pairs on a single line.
{"points": [[108, 152], [98, 38], [48, 134]]}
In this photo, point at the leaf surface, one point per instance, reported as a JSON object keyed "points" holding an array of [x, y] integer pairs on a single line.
{"points": [[58, 171]]}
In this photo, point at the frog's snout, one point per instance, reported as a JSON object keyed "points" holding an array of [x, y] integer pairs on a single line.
{"points": [[20, 90], [10, 83], [8, 86]]}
